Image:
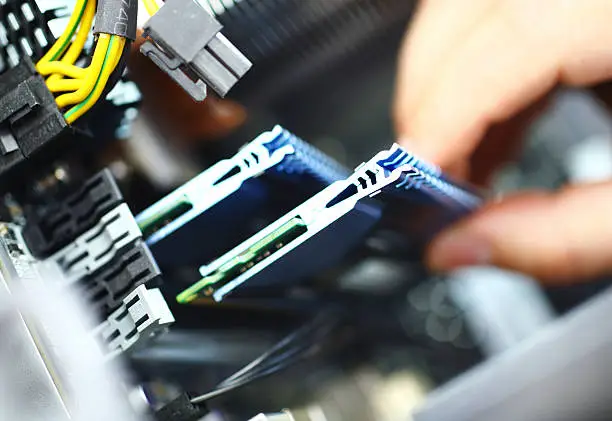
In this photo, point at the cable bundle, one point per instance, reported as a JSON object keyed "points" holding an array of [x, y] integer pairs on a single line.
{"points": [[295, 347], [79, 88]]}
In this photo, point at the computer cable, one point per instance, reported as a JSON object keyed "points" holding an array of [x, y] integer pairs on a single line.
{"points": [[295, 347], [80, 88], [151, 6]]}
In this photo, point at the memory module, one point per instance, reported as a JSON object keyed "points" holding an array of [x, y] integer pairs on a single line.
{"points": [[325, 227], [235, 197]]}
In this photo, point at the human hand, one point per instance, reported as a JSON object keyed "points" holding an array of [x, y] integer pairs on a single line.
{"points": [[469, 72]]}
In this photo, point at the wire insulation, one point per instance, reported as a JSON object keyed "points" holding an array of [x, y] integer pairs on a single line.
{"points": [[62, 42], [92, 73], [111, 59], [151, 6], [80, 88], [294, 347]]}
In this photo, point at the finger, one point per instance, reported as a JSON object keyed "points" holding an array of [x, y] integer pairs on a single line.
{"points": [[512, 58], [437, 28], [459, 170], [558, 237]]}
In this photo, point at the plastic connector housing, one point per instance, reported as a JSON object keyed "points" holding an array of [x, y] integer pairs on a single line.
{"points": [[98, 246], [29, 117], [143, 315], [197, 55], [107, 288], [181, 409], [52, 226]]}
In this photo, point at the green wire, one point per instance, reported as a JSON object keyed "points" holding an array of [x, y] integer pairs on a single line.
{"points": [[104, 63], [71, 32]]}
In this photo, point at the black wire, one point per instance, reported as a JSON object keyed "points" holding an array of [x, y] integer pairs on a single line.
{"points": [[309, 346], [279, 346], [304, 341], [260, 373]]}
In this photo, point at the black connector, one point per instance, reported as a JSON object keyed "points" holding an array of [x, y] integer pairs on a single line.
{"points": [[181, 409], [106, 289], [197, 55], [50, 227], [29, 118]]}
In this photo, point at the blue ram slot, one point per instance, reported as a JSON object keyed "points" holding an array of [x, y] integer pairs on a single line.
{"points": [[399, 157], [306, 160], [425, 181], [230, 200], [393, 187]]}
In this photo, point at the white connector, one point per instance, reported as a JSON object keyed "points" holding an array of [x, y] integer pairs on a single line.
{"points": [[143, 315], [96, 247]]}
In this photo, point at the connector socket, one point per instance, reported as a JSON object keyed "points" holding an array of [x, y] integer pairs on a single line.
{"points": [[98, 246], [107, 288], [52, 226], [197, 55], [29, 117], [144, 315]]}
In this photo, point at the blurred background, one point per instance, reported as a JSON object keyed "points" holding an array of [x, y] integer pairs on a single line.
{"points": [[325, 69]]}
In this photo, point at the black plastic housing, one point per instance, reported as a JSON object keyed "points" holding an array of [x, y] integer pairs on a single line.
{"points": [[51, 226], [29, 123], [181, 409], [107, 288]]}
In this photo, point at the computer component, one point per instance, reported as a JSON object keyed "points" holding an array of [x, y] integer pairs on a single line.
{"points": [[53, 224], [29, 121], [229, 201], [107, 288], [19, 267], [91, 251], [181, 409], [86, 238], [197, 55], [325, 227], [143, 315]]}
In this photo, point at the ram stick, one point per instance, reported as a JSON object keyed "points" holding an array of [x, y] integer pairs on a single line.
{"points": [[393, 185], [234, 198]]}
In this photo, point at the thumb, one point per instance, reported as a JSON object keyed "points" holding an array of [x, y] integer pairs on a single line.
{"points": [[556, 237]]}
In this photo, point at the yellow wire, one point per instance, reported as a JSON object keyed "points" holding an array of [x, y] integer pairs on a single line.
{"points": [[76, 48], [91, 75], [65, 69], [113, 59], [63, 85], [61, 41], [151, 6]]}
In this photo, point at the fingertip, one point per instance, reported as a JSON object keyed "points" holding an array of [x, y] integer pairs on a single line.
{"points": [[456, 248]]}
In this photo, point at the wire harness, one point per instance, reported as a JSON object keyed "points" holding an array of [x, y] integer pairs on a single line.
{"points": [[77, 89]]}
